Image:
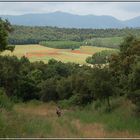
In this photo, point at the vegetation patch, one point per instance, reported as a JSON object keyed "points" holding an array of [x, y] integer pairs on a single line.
{"points": [[101, 57], [33, 35], [5, 102], [61, 44], [108, 42]]}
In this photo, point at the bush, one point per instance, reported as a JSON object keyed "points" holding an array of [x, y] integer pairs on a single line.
{"points": [[48, 90], [34, 102], [74, 100], [5, 102], [64, 103], [135, 98], [100, 57], [97, 104]]}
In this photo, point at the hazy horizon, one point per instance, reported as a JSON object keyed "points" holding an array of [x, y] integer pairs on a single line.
{"points": [[66, 13], [119, 10]]}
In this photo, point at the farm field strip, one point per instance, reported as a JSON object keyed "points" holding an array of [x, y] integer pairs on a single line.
{"points": [[41, 53]]}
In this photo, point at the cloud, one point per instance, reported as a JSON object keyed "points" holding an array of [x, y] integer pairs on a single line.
{"points": [[120, 10], [130, 7]]}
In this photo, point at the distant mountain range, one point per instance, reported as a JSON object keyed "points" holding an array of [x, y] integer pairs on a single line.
{"points": [[61, 19]]}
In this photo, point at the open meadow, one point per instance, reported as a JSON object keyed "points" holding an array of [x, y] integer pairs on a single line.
{"points": [[41, 53], [38, 120]]}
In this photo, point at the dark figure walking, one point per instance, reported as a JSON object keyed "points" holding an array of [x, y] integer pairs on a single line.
{"points": [[58, 111]]}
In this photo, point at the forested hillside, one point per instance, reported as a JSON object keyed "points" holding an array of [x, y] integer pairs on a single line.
{"points": [[33, 35]]}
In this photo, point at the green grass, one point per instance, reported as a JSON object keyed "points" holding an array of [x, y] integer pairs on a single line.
{"points": [[94, 49], [61, 44], [121, 118], [5, 102], [37, 119], [41, 53], [36, 126], [109, 42], [21, 125]]}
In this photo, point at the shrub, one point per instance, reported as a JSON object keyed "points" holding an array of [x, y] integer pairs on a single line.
{"points": [[135, 98], [100, 57], [64, 103], [74, 100], [5, 102], [97, 104]]}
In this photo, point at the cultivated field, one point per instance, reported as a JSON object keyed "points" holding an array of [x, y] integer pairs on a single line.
{"points": [[38, 52]]}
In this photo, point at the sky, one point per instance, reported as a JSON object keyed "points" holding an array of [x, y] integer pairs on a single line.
{"points": [[119, 10]]}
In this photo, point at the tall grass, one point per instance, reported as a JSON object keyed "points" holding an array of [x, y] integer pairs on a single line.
{"points": [[19, 123], [13, 124], [5, 102], [121, 118], [37, 127]]}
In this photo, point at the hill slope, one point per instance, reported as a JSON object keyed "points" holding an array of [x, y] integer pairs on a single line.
{"points": [[68, 20]]}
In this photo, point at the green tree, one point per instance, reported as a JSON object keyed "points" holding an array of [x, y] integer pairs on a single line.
{"points": [[133, 85], [100, 57], [64, 88], [9, 70], [48, 90], [5, 29], [102, 85], [126, 68]]}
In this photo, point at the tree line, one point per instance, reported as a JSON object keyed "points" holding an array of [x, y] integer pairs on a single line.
{"points": [[107, 42], [34, 35]]}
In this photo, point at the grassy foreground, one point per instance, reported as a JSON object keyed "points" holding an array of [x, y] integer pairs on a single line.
{"points": [[36, 119]]}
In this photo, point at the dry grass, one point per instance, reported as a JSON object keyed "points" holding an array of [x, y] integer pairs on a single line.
{"points": [[92, 50], [41, 53], [65, 126], [97, 130]]}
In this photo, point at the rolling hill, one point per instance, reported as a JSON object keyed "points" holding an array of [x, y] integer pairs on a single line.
{"points": [[61, 19]]}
